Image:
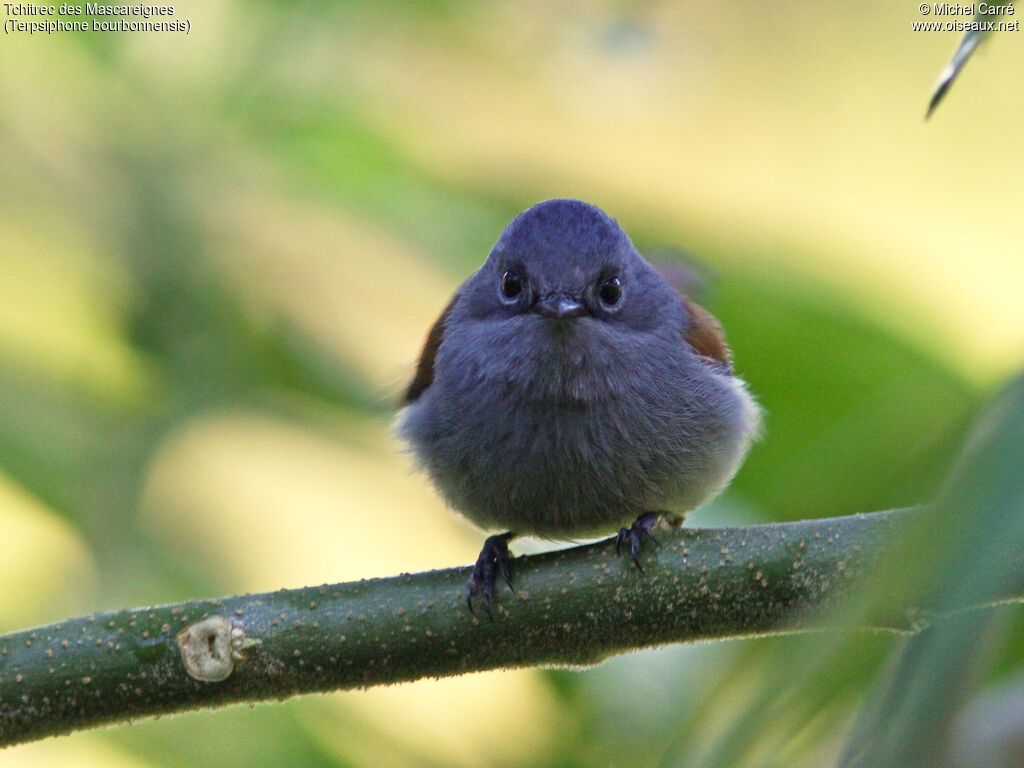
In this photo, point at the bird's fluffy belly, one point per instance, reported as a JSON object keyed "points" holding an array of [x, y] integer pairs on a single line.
{"points": [[561, 471], [575, 468]]}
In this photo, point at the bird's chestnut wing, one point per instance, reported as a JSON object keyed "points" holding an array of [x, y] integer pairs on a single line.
{"points": [[424, 376], [703, 332]]}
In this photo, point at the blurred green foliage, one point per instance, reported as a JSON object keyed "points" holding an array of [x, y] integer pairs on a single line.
{"points": [[210, 242]]}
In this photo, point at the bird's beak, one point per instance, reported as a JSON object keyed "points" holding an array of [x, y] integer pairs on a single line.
{"points": [[559, 306]]}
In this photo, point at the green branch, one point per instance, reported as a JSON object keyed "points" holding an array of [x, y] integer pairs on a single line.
{"points": [[574, 607]]}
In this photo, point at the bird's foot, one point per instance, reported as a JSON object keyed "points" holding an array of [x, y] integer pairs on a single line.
{"points": [[634, 535], [494, 559]]}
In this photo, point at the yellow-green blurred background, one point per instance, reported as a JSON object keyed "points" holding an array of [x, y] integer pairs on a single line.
{"points": [[220, 252]]}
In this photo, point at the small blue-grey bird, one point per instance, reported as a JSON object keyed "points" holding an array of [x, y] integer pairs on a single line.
{"points": [[568, 389]]}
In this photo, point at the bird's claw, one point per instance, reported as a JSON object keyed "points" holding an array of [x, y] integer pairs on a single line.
{"points": [[494, 558], [634, 535]]}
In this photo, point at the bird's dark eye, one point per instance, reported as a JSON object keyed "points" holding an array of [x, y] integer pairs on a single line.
{"points": [[511, 285], [610, 291]]}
